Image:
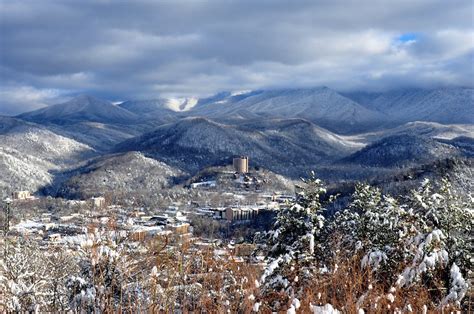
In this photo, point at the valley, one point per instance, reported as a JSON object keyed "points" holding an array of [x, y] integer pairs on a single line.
{"points": [[238, 157], [56, 150]]}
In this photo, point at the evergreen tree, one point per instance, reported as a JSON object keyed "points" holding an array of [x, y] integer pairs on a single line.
{"points": [[292, 242], [441, 251], [375, 226]]}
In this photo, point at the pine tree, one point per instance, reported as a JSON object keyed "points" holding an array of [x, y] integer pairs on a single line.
{"points": [[444, 224], [292, 243], [375, 226]]}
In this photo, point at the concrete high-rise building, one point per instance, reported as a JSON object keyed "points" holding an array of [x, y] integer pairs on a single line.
{"points": [[241, 164]]}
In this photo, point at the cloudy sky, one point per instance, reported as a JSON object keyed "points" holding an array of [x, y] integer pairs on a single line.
{"points": [[138, 49]]}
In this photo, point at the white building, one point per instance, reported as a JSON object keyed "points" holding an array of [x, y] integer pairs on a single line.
{"points": [[21, 195], [98, 202]]}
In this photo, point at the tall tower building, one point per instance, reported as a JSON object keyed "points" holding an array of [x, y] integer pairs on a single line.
{"points": [[241, 164]]}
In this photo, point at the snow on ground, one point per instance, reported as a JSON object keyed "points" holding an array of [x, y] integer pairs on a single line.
{"points": [[181, 104], [324, 309], [26, 226]]}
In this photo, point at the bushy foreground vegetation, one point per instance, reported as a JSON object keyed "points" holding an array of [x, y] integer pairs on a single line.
{"points": [[380, 254]]}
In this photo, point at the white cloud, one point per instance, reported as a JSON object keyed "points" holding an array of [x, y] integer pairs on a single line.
{"points": [[27, 98], [140, 49]]}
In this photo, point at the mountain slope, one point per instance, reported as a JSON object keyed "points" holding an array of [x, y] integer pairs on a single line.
{"points": [[287, 147], [160, 111], [459, 171], [464, 144], [30, 153], [402, 150], [94, 122], [80, 109], [121, 173], [147, 107], [323, 106], [442, 105], [32, 139], [419, 128], [101, 136], [168, 105]]}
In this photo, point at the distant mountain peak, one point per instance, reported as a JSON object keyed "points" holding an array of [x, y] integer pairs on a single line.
{"points": [[86, 98], [319, 104], [82, 108], [83, 100], [79, 102], [447, 105]]}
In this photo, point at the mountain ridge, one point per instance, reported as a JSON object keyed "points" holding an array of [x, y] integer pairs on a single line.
{"points": [[442, 105], [288, 131], [79, 109], [194, 143]]}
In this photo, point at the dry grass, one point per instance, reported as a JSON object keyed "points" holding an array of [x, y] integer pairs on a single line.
{"points": [[189, 279]]}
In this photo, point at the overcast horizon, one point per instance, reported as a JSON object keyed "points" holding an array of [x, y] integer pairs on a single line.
{"points": [[52, 50]]}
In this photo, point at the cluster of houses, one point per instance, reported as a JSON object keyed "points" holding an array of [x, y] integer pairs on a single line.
{"points": [[240, 213], [136, 225], [139, 224], [94, 202]]}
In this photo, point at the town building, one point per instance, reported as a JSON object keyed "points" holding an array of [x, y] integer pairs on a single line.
{"points": [[241, 213], [21, 195], [241, 164], [98, 202], [209, 184], [179, 228]]}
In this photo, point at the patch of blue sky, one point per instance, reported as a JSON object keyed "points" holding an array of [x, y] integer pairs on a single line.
{"points": [[408, 37]]}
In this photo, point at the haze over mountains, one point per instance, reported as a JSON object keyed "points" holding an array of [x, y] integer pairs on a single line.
{"points": [[288, 131]]}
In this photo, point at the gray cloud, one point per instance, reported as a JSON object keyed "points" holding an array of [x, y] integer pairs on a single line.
{"points": [[142, 49]]}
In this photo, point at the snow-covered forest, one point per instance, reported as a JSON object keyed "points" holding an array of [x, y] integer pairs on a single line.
{"points": [[380, 254], [161, 156]]}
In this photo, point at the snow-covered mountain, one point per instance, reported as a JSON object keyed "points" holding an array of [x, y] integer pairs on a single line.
{"points": [[154, 107], [181, 104], [30, 138], [146, 107], [459, 171], [339, 112], [442, 105], [322, 106], [402, 151], [289, 131], [80, 109], [22, 172], [419, 128], [464, 144], [101, 136], [284, 146], [130, 172], [94, 122], [30, 153]]}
